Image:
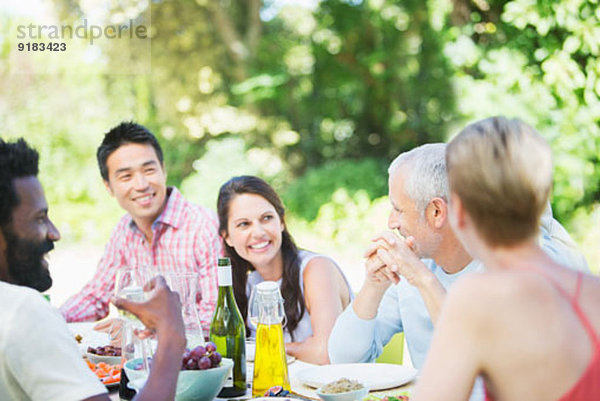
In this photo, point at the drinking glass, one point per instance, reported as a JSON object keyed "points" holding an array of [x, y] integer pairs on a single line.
{"points": [[186, 285], [253, 310], [129, 284]]}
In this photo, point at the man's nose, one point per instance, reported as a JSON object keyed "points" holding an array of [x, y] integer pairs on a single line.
{"points": [[140, 182], [53, 233]]}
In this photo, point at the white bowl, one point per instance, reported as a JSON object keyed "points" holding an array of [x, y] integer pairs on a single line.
{"points": [[192, 385], [111, 360], [354, 395]]}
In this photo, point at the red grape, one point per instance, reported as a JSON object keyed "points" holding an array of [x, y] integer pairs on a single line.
{"points": [[215, 358], [204, 363], [198, 352], [200, 358], [191, 364], [211, 347]]}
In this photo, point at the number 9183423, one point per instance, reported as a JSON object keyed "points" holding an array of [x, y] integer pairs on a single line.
{"points": [[40, 47]]}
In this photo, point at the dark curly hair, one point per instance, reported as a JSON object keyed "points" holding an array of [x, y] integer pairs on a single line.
{"points": [[122, 134], [290, 283], [17, 160]]}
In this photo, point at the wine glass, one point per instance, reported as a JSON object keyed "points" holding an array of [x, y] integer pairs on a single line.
{"points": [[186, 285], [129, 284], [253, 310]]}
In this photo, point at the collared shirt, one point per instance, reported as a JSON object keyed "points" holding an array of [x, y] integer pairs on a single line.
{"points": [[185, 239]]}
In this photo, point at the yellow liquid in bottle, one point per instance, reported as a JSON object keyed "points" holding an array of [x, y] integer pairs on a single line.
{"points": [[270, 364]]}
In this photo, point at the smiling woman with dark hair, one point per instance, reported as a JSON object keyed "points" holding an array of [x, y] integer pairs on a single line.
{"points": [[528, 325], [251, 222]]}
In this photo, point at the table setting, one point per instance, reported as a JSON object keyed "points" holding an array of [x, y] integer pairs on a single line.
{"points": [[305, 378], [207, 367]]}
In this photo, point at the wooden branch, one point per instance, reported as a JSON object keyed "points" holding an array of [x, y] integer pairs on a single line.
{"points": [[253, 33], [225, 27]]}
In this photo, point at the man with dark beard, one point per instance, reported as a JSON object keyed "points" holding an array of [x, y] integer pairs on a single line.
{"points": [[25, 260], [24, 255], [39, 358]]}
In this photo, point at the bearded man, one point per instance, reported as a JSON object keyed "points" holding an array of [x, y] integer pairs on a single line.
{"points": [[33, 335]]}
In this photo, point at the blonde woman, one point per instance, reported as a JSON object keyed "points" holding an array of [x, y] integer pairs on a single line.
{"points": [[528, 325]]}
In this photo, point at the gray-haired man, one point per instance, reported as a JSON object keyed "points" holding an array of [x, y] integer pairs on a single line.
{"points": [[423, 263]]}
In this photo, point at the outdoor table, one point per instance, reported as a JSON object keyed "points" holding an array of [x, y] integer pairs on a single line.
{"points": [[294, 367], [298, 388]]}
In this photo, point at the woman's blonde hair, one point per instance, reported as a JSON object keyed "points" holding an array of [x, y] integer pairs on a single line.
{"points": [[501, 170]]}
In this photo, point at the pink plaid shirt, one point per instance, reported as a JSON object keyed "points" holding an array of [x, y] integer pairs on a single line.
{"points": [[185, 240]]}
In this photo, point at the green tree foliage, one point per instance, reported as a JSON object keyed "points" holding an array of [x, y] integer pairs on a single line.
{"points": [[318, 185], [537, 60], [354, 79], [308, 88]]}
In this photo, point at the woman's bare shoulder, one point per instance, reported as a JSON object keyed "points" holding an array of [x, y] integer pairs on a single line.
{"points": [[320, 265], [491, 297]]}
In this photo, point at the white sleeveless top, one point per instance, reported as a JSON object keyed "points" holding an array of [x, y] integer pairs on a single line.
{"points": [[303, 329]]}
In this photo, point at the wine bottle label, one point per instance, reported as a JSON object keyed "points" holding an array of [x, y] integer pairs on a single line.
{"points": [[224, 276]]}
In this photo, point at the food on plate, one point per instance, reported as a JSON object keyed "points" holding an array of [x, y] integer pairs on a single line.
{"points": [[78, 338], [201, 357], [398, 397], [342, 385], [276, 391], [108, 374], [106, 350]]}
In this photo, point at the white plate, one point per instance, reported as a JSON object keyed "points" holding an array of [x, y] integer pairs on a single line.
{"points": [[89, 336], [285, 398], [374, 376]]}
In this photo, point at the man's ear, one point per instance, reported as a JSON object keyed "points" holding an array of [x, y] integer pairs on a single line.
{"points": [[108, 188], [437, 212]]}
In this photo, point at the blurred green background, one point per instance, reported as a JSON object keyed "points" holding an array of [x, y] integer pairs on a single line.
{"points": [[315, 96]]}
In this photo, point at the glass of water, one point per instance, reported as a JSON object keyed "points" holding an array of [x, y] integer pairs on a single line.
{"points": [[129, 284]]}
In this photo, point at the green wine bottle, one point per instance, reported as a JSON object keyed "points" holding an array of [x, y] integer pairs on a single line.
{"points": [[228, 332]]}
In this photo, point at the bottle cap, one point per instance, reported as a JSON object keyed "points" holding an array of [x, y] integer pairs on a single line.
{"points": [[268, 291], [224, 261], [270, 303], [267, 286]]}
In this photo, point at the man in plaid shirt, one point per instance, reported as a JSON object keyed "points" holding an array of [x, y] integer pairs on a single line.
{"points": [[162, 231]]}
